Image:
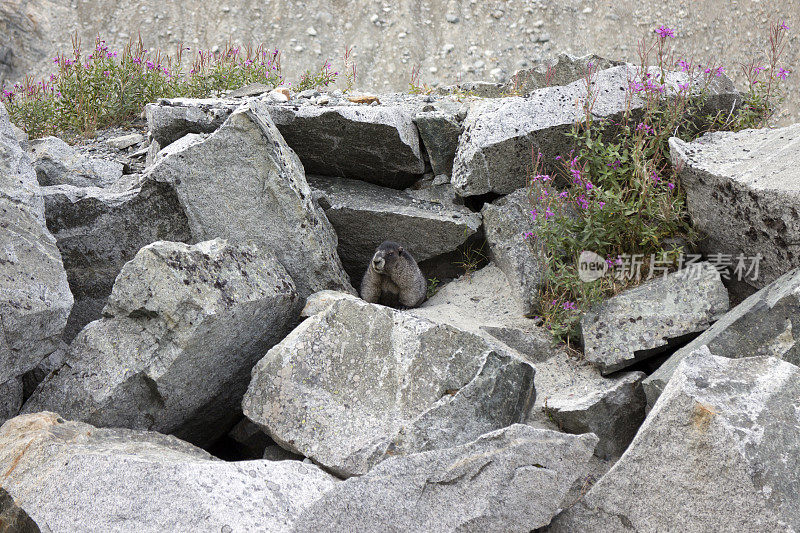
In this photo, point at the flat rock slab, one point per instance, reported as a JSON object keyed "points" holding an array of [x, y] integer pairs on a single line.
{"points": [[98, 230], [244, 184], [377, 144], [506, 221], [512, 479], [439, 132], [562, 70], [365, 215], [70, 476], [170, 119], [183, 327], [762, 325], [720, 451], [500, 136], [58, 163], [743, 194], [359, 382], [641, 322]]}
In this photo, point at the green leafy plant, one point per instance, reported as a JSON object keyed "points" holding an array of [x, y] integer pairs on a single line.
{"points": [[317, 79], [433, 287]]}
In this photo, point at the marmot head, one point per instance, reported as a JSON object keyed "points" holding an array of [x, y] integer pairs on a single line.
{"points": [[386, 257]]}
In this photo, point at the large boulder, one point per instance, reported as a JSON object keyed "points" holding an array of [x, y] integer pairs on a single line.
{"points": [[512, 479], [377, 144], [99, 230], [70, 476], [35, 299], [763, 325], [170, 119], [359, 382], [743, 195], [644, 321], [183, 327], [561, 70], [57, 163], [364, 215], [720, 451], [501, 136], [506, 222], [243, 183]]}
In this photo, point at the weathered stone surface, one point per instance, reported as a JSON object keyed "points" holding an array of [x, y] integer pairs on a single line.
{"points": [[641, 322], [71, 476], [512, 479], [57, 163], [10, 399], [365, 215], [720, 451], [35, 300], [612, 409], [562, 70], [125, 141], [242, 183], [377, 144], [359, 382], [439, 132], [14, 519], [184, 325], [170, 119], [251, 441], [762, 325], [494, 153], [99, 230], [506, 221], [743, 194]]}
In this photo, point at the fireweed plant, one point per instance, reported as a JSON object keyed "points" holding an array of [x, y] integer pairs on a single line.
{"points": [[104, 87], [617, 193]]}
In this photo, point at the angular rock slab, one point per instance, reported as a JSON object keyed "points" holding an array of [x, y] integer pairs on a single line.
{"points": [[512, 479], [562, 70], [720, 451], [57, 163], [365, 215], [613, 409], [439, 132], [359, 382], [743, 194], [376, 144], [184, 325], [765, 324], [506, 221], [500, 136], [99, 230], [35, 300], [641, 322], [243, 183], [170, 119], [70, 476]]}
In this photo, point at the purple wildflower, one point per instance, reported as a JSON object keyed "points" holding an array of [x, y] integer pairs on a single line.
{"points": [[671, 186], [783, 26], [665, 32], [783, 73], [685, 67], [615, 165], [569, 306]]}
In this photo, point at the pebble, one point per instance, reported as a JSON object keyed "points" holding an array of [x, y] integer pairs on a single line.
{"points": [[451, 18]]}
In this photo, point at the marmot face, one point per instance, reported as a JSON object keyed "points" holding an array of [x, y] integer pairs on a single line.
{"points": [[386, 257]]}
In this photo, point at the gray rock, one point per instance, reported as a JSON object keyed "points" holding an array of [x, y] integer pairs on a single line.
{"points": [[14, 518], [11, 397], [743, 194], [562, 70], [494, 152], [641, 322], [184, 325], [99, 230], [481, 89], [253, 89], [35, 300], [377, 144], [506, 221], [365, 215], [439, 132], [613, 411], [58, 163], [70, 476], [512, 479], [250, 439], [125, 141], [718, 452], [263, 197], [359, 382], [762, 325], [170, 119]]}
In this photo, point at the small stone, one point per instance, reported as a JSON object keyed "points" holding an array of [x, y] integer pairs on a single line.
{"points": [[125, 141], [311, 31], [451, 18]]}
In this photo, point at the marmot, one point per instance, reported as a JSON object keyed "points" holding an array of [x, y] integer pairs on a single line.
{"points": [[393, 278]]}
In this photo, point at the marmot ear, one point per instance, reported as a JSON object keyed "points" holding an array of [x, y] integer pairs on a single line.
{"points": [[400, 249]]}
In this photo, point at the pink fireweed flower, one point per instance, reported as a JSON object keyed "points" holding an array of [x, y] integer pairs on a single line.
{"points": [[569, 306], [589, 186], [106, 73], [644, 127], [671, 186], [615, 165], [683, 86], [563, 194], [548, 214], [720, 71], [782, 73], [783, 26], [685, 67], [665, 32], [601, 204], [527, 235], [533, 214]]}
